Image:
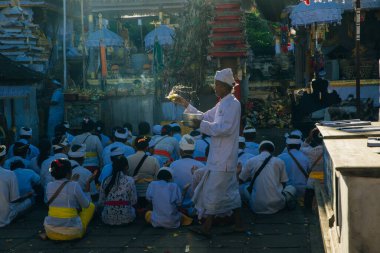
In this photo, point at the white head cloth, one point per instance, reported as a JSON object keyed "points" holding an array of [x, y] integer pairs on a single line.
{"points": [[167, 169], [241, 139], [226, 76], [157, 129], [66, 124], [117, 151], [266, 142], [81, 152], [174, 125], [4, 150], [295, 132], [248, 129], [62, 144], [187, 142], [119, 135], [295, 141], [26, 131]]}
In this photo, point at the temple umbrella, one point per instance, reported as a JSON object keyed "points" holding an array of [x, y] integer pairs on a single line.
{"points": [[105, 37], [163, 34], [316, 12], [364, 4]]}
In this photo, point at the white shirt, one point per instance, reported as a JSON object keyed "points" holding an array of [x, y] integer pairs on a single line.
{"points": [[8, 192], [244, 157], [106, 155], [84, 175], [314, 153], [182, 175], [222, 124], [8, 162], [200, 148], [94, 148], [296, 177], [165, 197], [45, 175], [169, 144], [33, 151], [266, 196]]}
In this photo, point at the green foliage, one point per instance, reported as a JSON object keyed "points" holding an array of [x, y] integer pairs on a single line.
{"points": [[188, 57], [259, 34]]}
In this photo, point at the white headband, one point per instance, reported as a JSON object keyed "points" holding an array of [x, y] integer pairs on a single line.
{"points": [[249, 130], [4, 152], [167, 169], [81, 152], [187, 142], [295, 141], [157, 129], [121, 135], [62, 144], [117, 151], [266, 142], [226, 76], [241, 139], [26, 131], [174, 125]]}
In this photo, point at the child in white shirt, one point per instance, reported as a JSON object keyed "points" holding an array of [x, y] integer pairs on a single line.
{"points": [[166, 197]]}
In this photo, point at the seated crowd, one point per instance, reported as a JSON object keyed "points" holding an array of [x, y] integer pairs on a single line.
{"points": [[153, 176]]}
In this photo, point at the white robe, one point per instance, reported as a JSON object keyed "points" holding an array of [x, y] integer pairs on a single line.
{"points": [[218, 192]]}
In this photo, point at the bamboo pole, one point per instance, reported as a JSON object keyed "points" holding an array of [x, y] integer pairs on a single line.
{"points": [[64, 47], [357, 60]]}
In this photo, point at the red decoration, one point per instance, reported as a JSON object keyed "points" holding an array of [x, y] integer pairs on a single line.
{"points": [[307, 2]]}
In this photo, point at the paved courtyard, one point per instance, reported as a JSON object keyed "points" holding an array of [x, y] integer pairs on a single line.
{"points": [[285, 232], [294, 231]]}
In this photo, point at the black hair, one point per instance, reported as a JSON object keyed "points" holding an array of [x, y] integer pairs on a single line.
{"points": [[249, 136], [267, 147], [164, 175], [317, 139], [60, 168], [229, 87], [128, 126], [17, 164], [122, 131], [195, 133], [241, 145], [26, 137], [20, 149], [144, 128], [142, 142], [88, 125], [59, 130], [293, 146], [57, 141], [45, 149], [118, 166], [99, 126], [176, 129], [166, 130]]}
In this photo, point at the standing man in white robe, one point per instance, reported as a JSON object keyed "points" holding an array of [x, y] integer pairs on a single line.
{"points": [[218, 192]]}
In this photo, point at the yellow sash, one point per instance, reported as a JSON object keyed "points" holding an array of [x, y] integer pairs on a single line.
{"points": [[62, 212], [316, 175], [91, 154]]}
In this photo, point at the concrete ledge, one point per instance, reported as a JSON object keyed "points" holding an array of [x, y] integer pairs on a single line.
{"points": [[326, 219]]}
